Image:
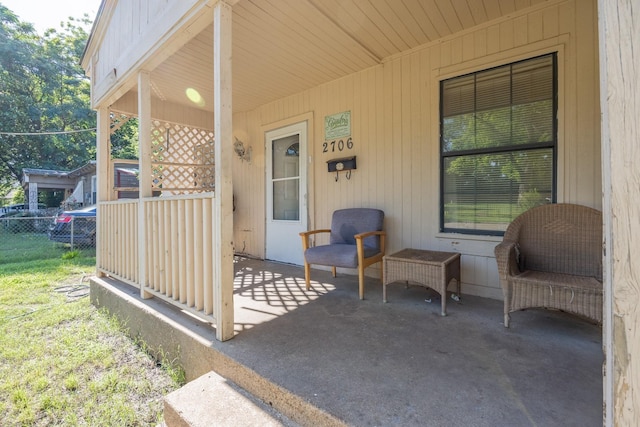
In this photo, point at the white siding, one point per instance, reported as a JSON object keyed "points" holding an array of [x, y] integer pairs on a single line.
{"points": [[135, 29]]}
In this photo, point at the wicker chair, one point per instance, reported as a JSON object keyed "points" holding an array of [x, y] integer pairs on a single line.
{"points": [[551, 257], [356, 241]]}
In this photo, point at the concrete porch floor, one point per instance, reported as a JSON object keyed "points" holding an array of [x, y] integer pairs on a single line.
{"points": [[326, 357]]}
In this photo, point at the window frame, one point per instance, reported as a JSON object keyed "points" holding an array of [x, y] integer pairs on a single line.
{"points": [[553, 144]]}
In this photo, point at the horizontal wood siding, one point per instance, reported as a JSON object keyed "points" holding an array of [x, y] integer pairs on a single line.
{"points": [[395, 130]]}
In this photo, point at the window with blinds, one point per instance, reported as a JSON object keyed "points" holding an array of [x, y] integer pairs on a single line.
{"points": [[497, 145]]}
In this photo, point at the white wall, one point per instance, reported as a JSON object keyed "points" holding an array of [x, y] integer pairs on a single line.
{"points": [[136, 33]]}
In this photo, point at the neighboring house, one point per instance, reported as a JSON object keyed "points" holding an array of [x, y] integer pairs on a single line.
{"points": [[71, 184], [78, 187], [123, 182], [460, 114]]}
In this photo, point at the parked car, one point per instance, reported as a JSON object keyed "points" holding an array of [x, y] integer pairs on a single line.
{"points": [[11, 210], [81, 223]]}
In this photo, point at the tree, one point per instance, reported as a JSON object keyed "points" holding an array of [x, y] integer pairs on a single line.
{"points": [[528, 171], [43, 89], [124, 141], [498, 142]]}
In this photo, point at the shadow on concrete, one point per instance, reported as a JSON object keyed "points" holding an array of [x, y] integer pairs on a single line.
{"points": [[366, 363]]}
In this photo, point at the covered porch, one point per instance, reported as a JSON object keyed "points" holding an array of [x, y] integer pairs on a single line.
{"points": [[324, 357], [217, 85], [217, 80]]}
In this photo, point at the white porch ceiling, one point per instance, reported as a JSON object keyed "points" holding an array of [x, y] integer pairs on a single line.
{"points": [[283, 47]]}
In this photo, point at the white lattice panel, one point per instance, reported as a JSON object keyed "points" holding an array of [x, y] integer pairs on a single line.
{"points": [[182, 158]]}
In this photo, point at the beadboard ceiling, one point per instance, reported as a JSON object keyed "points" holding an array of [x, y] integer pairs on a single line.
{"points": [[283, 47]]}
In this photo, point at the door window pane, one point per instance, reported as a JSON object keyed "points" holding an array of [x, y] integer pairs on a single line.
{"points": [[285, 157], [286, 200], [286, 179]]}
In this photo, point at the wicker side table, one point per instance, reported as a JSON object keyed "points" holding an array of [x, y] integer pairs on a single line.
{"points": [[431, 269]]}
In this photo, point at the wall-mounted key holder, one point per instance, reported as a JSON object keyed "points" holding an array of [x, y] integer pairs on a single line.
{"points": [[346, 164]]}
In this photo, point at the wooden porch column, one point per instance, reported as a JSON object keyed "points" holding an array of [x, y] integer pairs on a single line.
{"points": [[103, 166], [223, 207], [619, 33], [32, 196], [103, 155], [144, 148]]}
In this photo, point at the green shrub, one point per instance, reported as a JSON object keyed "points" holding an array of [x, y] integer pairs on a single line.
{"points": [[71, 254], [530, 199]]}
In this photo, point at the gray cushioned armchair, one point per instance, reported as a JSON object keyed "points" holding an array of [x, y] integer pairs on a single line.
{"points": [[356, 241]]}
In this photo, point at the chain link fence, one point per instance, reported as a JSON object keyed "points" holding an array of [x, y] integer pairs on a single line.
{"points": [[31, 234]]}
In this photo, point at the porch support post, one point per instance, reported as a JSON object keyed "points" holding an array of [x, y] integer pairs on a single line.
{"points": [[144, 147], [103, 166], [103, 155], [223, 204], [32, 196], [619, 35]]}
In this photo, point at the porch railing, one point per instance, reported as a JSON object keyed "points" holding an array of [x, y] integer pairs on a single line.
{"points": [[117, 247], [178, 248]]}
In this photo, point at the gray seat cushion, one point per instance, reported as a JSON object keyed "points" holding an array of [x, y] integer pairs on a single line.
{"points": [[342, 250], [337, 255]]}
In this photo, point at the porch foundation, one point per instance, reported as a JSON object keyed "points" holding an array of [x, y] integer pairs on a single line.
{"points": [[325, 357], [171, 334]]}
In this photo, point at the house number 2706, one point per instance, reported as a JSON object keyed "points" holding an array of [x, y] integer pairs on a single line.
{"points": [[339, 145]]}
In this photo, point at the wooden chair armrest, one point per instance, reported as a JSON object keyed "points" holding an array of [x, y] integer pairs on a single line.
{"points": [[370, 233], [361, 236], [305, 236], [310, 232]]}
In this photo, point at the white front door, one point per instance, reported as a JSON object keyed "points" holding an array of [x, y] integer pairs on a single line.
{"points": [[286, 153]]}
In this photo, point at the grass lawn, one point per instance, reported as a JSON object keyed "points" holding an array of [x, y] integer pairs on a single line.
{"points": [[63, 362], [491, 213]]}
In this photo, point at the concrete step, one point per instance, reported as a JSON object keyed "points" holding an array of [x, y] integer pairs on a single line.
{"points": [[212, 400], [216, 379]]}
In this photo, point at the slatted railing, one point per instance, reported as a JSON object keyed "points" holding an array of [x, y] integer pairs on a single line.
{"points": [[178, 249], [117, 246]]}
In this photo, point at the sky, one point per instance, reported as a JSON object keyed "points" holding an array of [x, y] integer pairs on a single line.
{"points": [[44, 14]]}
